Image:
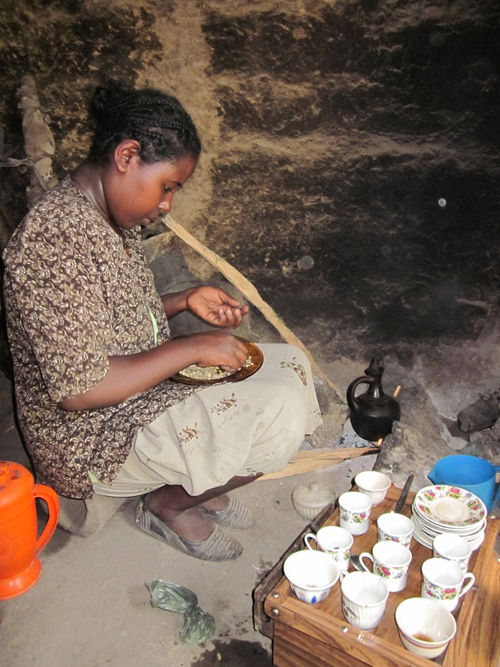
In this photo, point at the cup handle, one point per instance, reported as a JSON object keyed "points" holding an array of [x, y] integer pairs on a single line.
{"points": [[50, 497], [469, 584], [361, 556], [306, 540]]}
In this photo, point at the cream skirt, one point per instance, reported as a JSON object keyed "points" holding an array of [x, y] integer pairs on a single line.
{"points": [[252, 426]]}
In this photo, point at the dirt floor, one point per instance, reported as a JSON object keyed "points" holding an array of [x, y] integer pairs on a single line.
{"points": [[91, 607]]}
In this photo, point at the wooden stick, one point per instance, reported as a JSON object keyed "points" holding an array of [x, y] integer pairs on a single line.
{"points": [[39, 144], [251, 293], [316, 459]]}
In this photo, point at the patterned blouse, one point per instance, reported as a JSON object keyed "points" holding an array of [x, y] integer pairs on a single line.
{"points": [[73, 299]]}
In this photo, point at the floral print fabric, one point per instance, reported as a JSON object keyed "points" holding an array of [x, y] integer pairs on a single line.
{"points": [[73, 298], [244, 428]]}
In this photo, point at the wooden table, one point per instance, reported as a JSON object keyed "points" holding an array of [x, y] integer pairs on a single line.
{"points": [[319, 636]]}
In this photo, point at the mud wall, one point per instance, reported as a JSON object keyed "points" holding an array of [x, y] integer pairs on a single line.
{"points": [[351, 162]]}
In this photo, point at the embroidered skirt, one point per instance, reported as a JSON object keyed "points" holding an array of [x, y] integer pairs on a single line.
{"points": [[248, 427]]}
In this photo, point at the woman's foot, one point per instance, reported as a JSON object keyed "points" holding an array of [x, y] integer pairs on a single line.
{"points": [[218, 504], [217, 546], [190, 524], [228, 512]]}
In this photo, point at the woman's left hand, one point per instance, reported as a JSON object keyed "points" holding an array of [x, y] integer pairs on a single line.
{"points": [[215, 306]]}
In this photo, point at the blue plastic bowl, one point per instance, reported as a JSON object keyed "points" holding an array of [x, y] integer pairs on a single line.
{"points": [[468, 472]]}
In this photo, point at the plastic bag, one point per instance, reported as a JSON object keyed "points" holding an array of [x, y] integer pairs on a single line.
{"points": [[198, 625]]}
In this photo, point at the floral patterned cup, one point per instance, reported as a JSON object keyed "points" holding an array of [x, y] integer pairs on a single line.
{"points": [[443, 581], [334, 541], [354, 510], [395, 527], [391, 561], [454, 548]]}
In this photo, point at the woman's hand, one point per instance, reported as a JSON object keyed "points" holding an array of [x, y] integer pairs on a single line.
{"points": [[220, 348], [215, 307], [130, 375], [133, 374]]}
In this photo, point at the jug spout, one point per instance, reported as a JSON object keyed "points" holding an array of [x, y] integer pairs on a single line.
{"points": [[434, 477]]}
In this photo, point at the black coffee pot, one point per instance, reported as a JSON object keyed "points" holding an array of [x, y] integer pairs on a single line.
{"points": [[373, 412]]}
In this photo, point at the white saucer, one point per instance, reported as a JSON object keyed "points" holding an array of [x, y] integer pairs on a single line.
{"points": [[449, 507], [426, 541]]}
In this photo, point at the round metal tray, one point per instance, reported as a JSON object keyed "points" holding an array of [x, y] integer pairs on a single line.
{"points": [[255, 355]]}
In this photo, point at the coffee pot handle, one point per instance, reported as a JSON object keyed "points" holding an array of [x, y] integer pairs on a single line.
{"points": [[352, 399], [50, 497]]}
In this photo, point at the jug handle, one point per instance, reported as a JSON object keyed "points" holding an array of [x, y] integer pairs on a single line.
{"points": [[496, 498], [50, 497]]}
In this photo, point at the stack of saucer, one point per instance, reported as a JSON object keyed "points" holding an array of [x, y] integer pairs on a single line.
{"points": [[448, 509]]}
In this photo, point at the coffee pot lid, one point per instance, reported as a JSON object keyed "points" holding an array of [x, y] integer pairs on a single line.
{"points": [[15, 481]]}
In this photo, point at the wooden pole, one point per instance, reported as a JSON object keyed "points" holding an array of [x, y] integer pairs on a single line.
{"points": [[316, 459], [250, 292]]}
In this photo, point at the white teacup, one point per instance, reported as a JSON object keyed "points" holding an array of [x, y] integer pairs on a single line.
{"points": [[334, 541], [364, 596], [454, 548], [443, 581], [311, 575], [425, 627], [391, 561], [373, 484], [395, 527], [354, 511]]}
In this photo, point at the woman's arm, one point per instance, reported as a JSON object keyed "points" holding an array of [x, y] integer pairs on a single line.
{"points": [[176, 303], [211, 304], [133, 374]]}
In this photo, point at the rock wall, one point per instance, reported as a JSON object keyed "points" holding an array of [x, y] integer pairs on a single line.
{"points": [[358, 175], [351, 154]]}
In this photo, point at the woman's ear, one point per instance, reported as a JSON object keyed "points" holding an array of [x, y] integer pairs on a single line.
{"points": [[126, 151]]}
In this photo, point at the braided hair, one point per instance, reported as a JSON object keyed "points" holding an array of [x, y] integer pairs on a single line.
{"points": [[157, 121]]}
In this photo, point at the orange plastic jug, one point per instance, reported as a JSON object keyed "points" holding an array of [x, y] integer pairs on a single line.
{"points": [[20, 568]]}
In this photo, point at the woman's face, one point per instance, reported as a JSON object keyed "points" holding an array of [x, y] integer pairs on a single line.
{"points": [[136, 193]]}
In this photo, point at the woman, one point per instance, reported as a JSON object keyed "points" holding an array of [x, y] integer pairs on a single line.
{"points": [[92, 353]]}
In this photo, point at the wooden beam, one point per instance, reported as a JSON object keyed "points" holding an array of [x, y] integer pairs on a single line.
{"points": [[250, 292]]}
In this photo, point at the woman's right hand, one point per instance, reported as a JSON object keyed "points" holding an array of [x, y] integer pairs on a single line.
{"points": [[132, 374], [220, 348]]}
